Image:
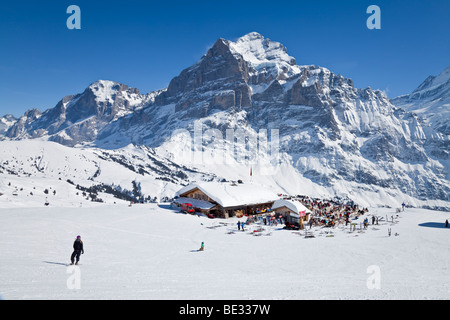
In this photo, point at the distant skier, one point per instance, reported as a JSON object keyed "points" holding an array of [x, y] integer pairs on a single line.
{"points": [[446, 223], [202, 247], [77, 250]]}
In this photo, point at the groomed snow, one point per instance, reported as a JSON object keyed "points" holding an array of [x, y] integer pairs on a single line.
{"points": [[150, 252]]}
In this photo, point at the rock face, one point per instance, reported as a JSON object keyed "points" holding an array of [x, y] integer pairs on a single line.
{"points": [[78, 118], [333, 134], [5, 123], [430, 104], [219, 72]]}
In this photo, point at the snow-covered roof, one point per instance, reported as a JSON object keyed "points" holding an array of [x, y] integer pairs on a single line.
{"points": [[294, 205], [196, 203], [229, 195]]}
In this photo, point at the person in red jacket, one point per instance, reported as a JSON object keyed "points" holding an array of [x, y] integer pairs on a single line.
{"points": [[77, 250]]}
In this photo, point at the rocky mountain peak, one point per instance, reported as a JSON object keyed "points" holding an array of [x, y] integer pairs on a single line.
{"points": [[330, 132], [265, 55], [250, 37], [430, 101], [435, 81], [107, 88], [78, 118], [6, 122]]}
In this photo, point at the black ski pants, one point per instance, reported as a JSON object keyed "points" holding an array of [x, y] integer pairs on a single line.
{"points": [[75, 254]]}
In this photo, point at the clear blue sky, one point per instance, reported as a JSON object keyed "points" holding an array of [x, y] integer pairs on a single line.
{"points": [[144, 44]]}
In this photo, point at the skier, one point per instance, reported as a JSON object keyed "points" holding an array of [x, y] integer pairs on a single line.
{"points": [[446, 223], [239, 225], [77, 250], [202, 247]]}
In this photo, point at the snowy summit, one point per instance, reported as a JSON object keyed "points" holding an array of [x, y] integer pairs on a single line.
{"points": [[335, 140]]}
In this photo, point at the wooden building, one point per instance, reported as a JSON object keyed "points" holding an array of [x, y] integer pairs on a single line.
{"points": [[292, 210], [228, 199]]}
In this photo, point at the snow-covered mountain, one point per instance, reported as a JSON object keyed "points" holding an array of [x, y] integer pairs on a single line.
{"points": [[133, 173], [6, 122], [334, 139], [430, 102], [78, 118]]}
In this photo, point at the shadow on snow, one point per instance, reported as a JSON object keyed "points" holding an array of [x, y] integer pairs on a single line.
{"points": [[440, 225], [59, 263]]}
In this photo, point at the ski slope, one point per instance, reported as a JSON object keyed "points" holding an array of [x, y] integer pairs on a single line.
{"points": [[150, 252]]}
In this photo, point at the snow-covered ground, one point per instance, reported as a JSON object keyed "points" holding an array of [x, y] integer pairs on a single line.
{"points": [[150, 252]]}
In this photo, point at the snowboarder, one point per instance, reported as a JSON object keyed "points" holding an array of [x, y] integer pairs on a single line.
{"points": [[77, 250], [202, 247]]}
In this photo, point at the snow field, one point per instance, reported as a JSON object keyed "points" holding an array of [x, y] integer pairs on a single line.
{"points": [[150, 252]]}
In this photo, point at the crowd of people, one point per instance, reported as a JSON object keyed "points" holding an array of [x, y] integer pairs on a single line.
{"points": [[327, 213], [330, 212], [266, 219]]}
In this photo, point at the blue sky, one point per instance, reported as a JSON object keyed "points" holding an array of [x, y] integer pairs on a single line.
{"points": [[144, 44]]}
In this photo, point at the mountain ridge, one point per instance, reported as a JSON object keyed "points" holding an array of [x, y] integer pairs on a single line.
{"points": [[329, 131]]}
